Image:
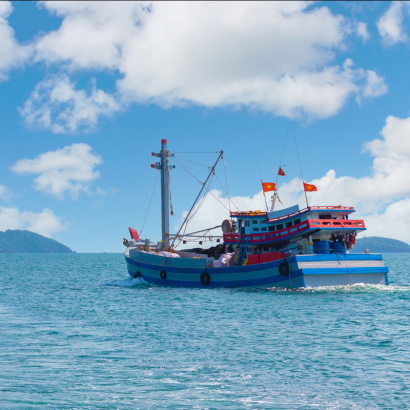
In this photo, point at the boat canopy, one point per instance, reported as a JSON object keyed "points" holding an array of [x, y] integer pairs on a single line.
{"points": [[283, 212]]}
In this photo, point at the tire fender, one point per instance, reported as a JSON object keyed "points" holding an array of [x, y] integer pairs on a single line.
{"points": [[284, 268]]}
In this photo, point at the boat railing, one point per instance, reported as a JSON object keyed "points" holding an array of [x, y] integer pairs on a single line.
{"points": [[261, 237], [279, 218]]}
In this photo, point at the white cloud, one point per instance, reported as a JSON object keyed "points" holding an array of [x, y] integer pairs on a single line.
{"points": [[12, 54], [271, 56], [5, 193], [382, 198], [44, 223], [390, 24], [57, 105], [361, 29], [68, 169]]}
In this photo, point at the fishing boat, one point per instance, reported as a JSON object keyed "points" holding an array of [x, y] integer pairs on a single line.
{"points": [[289, 248]]}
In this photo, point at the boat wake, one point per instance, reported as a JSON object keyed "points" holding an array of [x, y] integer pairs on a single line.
{"points": [[126, 283], [353, 289]]}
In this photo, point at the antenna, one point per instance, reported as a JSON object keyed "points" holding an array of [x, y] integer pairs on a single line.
{"points": [[300, 166], [260, 173]]}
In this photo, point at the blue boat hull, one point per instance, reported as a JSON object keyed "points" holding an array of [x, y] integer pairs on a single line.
{"points": [[304, 271]]}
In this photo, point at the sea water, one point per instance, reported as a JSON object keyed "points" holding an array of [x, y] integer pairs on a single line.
{"points": [[77, 333]]}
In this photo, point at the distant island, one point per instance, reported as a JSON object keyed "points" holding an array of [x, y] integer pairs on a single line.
{"points": [[377, 244], [16, 241]]}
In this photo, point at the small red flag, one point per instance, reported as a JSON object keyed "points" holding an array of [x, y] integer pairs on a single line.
{"points": [[281, 172], [268, 186], [309, 187], [134, 234]]}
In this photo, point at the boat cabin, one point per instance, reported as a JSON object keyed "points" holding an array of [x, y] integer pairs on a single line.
{"points": [[304, 231]]}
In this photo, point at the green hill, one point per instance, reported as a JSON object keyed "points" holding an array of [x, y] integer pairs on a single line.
{"points": [[376, 244], [17, 241]]}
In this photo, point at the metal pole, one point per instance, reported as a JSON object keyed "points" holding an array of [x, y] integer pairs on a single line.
{"points": [[164, 193]]}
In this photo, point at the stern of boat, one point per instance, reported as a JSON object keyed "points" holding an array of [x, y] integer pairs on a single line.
{"points": [[342, 270]]}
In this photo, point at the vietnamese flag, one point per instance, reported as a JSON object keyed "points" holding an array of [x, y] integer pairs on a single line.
{"points": [[281, 172], [309, 187], [268, 186]]}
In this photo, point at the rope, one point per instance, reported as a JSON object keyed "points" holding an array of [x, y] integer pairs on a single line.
{"points": [[156, 179], [300, 166], [227, 188], [186, 170], [227, 193], [204, 152], [170, 199], [197, 163]]}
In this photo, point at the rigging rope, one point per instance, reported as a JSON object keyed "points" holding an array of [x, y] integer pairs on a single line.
{"points": [[203, 152], [186, 170], [156, 179], [170, 199], [227, 187], [227, 193], [197, 163]]}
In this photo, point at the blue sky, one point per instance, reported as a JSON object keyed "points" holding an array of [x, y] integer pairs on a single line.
{"points": [[88, 90]]}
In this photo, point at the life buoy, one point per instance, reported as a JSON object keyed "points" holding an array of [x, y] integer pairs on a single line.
{"points": [[205, 278], [163, 274], [284, 267], [137, 275]]}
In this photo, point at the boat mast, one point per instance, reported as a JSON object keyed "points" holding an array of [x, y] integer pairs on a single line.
{"points": [[164, 167]]}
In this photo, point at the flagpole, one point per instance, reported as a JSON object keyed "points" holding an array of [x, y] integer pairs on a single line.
{"points": [[300, 166], [260, 173], [283, 150]]}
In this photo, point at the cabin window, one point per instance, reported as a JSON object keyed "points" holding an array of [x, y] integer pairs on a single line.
{"points": [[256, 238], [325, 216], [278, 227], [255, 229], [264, 229], [296, 221], [262, 221], [255, 222], [271, 228], [247, 222], [265, 237], [288, 224]]}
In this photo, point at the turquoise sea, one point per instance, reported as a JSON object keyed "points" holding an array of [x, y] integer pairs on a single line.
{"points": [[76, 333]]}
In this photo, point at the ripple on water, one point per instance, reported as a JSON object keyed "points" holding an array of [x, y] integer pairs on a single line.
{"points": [[77, 332]]}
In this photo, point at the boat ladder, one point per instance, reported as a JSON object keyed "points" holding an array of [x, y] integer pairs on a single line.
{"points": [[242, 251]]}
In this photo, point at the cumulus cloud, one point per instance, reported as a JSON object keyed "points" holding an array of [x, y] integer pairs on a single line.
{"points": [[5, 193], [382, 198], [12, 53], [390, 24], [270, 56], [68, 169], [57, 105], [44, 223], [361, 29]]}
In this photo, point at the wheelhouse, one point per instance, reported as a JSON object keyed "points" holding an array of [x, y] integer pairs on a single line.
{"points": [[292, 228]]}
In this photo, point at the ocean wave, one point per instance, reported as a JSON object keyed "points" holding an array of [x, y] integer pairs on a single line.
{"points": [[356, 288], [126, 283]]}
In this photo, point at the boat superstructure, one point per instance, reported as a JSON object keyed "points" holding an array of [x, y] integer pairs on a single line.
{"points": [[289, 248]]}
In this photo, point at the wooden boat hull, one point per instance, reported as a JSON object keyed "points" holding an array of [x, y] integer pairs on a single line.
{"points": [[304, 271]]}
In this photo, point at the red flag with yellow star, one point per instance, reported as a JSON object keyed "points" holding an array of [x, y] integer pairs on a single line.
{"points": [[309, 187], [281, 172], [268, 186]]}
